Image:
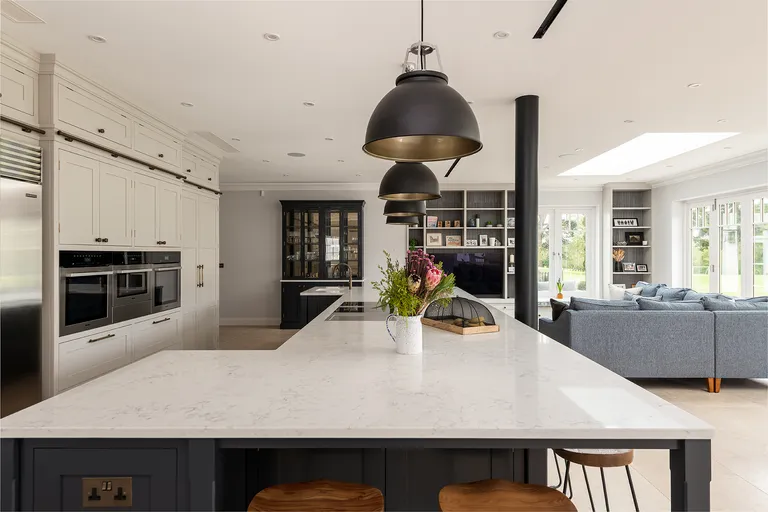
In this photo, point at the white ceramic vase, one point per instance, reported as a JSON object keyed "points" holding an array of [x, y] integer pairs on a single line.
{"points": [[407, 334]]}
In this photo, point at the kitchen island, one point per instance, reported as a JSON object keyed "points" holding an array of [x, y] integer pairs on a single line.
{"points": [[207, 429]]}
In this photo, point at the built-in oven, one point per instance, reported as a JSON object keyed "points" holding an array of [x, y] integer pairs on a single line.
{"points": [[86, 280], [166, 267], [132, 296]]}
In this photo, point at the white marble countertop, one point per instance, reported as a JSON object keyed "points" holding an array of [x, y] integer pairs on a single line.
{"points": [[321, 280], [325, 291], [345, 380]]}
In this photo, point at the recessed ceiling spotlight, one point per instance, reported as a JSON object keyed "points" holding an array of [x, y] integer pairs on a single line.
{"points": [[98, 39], [358, 174], [670, 166], [564, 155], [271, 37], [721, 121], [329, 138], [470, 102], [265, 161], [546, 167], [309, 103], [694, 85], [297, 155], [286, 174], [340, 161], [501, 34], [628, 121], [727, 147], [186, 104], [235, 139], [578, 150]]}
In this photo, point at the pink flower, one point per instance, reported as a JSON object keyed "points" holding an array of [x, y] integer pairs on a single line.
{"points": [[433, 277]]}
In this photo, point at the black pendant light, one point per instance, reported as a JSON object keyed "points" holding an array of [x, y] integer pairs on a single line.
{"points": [[422, 119], [403, 221], [409, 182], [405, 208]]}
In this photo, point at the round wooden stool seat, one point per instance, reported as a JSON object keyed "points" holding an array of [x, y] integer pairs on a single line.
{"points": [[318, 495], [599, 458], [502, 496]]}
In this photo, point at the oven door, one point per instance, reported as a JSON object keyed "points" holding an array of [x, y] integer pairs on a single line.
{"points": [[85, 299], [132, 285], [167, 288]]}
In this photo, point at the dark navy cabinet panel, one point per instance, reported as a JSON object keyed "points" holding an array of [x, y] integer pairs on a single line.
{"points": [[317, 304]]}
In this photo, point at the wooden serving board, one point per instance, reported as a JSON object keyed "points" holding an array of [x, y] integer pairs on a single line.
{"points": [[460, 330]]}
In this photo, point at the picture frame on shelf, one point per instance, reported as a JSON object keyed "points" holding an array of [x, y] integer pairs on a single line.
{"points": [[620, 285], [628, 266], [432, 221], [439, 224], [642, 267], [510, 242], [625, 223], [457, 223], [471, 243], [510, 222], [434, 239], [483, 240], [453, 241], [634, 237]]}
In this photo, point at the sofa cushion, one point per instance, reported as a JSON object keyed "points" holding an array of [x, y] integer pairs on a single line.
{"points": [[711, 304], [628, 296], [671, 294], [557, 308], [677, 305], [583, 304], [764, 298], [649, 289], [615, 292], [694, 295]]}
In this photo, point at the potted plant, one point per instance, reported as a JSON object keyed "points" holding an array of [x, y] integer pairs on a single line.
{"points": [[559, 285], [618, 257], [407, 291]]}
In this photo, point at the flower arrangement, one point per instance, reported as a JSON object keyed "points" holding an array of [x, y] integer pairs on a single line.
{"points": [[618, 255], [409, 290], [559, 285]]}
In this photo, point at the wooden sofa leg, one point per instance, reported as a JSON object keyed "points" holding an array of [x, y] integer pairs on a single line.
{"points": [[711, 385], [717, 385]]}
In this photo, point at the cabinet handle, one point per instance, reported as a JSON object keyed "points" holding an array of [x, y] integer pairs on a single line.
{"points": [[202, 276], [199, 279], [98, 239], [105, 240], [189, 170], [101, 130], [163, 242], [209, 179], [160, 321], [159, 242], [160, 155], [94, 340]]}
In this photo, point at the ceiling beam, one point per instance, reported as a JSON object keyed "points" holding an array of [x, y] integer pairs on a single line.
{"points": [[553, 12]]}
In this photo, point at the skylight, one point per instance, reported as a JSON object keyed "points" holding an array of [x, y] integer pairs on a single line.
{"points": [[642, 151]]}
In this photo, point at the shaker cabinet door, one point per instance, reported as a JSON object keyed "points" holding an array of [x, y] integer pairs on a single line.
{"points": [[145, 201], [115, 206], [78, 199], [169, 212]]}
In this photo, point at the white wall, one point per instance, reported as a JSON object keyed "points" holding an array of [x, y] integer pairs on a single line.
{"points": [[250, 244], [668, 203], [251, 253]]}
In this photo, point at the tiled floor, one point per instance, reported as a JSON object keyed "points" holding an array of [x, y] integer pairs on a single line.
{"points": [[739, 451]]}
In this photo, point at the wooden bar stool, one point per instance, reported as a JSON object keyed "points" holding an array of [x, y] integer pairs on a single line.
{"points": [[604, 458], [318, 495], [502, 496]]}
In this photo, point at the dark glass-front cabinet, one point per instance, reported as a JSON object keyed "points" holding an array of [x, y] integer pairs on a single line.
{"points": [[322, 241]]}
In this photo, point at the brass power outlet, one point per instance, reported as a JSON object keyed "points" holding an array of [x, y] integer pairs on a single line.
{"points": [[107, 492]]}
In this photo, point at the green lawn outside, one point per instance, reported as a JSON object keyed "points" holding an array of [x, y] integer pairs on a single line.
{"points": [[700, 283]]}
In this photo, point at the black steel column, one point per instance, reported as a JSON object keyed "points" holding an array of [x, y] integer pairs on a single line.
{"points": [[526, 209]]}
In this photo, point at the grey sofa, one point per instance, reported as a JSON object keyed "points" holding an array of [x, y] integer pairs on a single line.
{"points": [[668, 344]]}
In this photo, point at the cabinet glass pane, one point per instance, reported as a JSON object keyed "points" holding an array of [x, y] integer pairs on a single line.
{"points": [[333, 244], [312, 244], [292, 263], [351, 238]]}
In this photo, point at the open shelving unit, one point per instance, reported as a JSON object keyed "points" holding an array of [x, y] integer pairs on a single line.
{"points": [[631, 204], [494, 206]]}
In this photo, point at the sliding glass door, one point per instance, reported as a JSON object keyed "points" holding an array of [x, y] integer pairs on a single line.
{"points": [[565, 252], [727, 244]]}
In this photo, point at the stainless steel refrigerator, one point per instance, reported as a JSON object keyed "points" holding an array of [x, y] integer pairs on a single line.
{"points": [[21, 267]]}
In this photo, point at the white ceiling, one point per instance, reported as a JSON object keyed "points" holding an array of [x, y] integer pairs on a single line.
{"points": [[602, 62]]}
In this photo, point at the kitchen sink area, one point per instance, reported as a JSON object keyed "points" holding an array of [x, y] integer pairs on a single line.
{"points": [[357, 311]]}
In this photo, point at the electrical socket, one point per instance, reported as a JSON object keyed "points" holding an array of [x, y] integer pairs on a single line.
{"points": [[108, 492]]}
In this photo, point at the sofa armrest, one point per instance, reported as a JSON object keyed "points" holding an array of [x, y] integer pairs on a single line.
{"points": [[741, 344], [559, 330]]}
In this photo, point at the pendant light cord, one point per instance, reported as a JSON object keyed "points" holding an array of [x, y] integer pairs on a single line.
{"points": [[421, 41]]}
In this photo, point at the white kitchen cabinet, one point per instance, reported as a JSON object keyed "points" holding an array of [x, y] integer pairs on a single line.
{"points": [[189, 219], [190, 278], [208, 222], [206, 295], [145, 202], [78, 178], [18, 87], [188, 165], [92, 117], [88, 357], [191, 340], [207, 328], [156, 146], [115, 205], [169, 212], [156, 334]]}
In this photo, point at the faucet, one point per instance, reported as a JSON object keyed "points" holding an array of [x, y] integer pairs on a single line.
{"points": [[348, 268]]}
